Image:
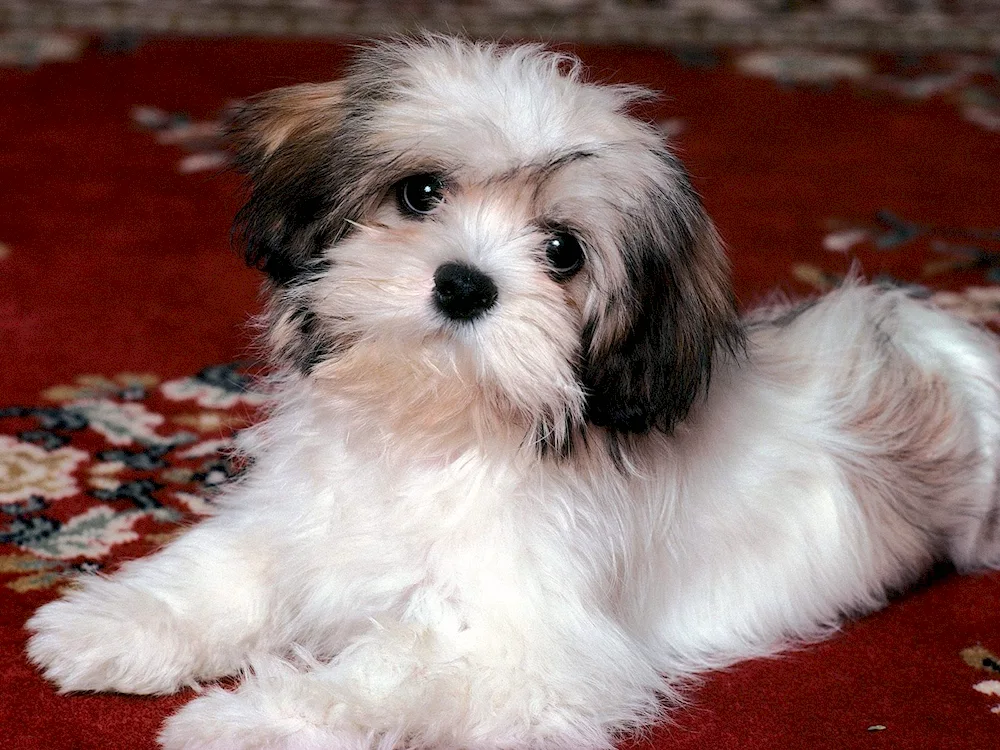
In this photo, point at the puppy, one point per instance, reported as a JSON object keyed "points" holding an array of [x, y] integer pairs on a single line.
{"points": [[526, 469]]}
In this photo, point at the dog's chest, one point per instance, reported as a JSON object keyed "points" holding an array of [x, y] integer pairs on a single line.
{"points": [[395, 522], [471, 538]]}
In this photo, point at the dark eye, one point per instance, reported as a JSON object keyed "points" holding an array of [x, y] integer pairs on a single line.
{"points": [[419, 194], [564, 254]]}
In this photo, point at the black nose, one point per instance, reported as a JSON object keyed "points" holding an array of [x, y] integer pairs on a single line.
{"points": [[462, 292]]}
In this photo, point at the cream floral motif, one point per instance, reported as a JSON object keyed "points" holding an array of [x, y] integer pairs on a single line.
{"points": [[29, 47], [91, 534], [989, 687], [110, 464], [211, 421], [803, 66], [981, 658], [197, 504], [27, 470], [33, 572], [208, 448], [980, 304], [843, 240], [123, 424], [208, 395], [104, 475], [98, 386]]}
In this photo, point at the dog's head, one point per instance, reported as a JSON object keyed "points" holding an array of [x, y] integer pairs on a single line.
{"points": [[465, 229]]}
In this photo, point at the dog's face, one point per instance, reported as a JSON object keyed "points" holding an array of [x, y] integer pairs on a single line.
{"points": [[463, 234]]}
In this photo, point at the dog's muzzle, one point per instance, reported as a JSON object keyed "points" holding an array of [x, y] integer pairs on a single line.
{"points": [[462, 292]]}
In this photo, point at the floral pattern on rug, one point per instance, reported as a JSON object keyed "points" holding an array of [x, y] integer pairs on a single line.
{"points": [[950, 254], [983, 659], [952, 249], [971, 83], [202, 140], [872, 24], [112, 466], [29, 48]]}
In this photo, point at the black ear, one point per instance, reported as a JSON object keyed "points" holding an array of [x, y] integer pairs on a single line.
{"points": [[283, 141], [648, 355]]}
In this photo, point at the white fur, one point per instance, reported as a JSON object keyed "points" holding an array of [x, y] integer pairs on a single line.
{"points": [[400, 568]]}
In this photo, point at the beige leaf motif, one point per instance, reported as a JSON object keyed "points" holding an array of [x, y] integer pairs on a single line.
{"points": [[27, 470]]}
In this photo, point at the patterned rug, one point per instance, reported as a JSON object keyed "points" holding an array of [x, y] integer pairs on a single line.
{"points": [[126, 363], [913, 25]]}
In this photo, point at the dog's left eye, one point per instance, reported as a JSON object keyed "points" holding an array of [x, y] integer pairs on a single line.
{"points": [[419, 194], [564, 254]]}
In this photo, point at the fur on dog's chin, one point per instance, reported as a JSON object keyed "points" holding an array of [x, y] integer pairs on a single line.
{"points": [[434, 405]]}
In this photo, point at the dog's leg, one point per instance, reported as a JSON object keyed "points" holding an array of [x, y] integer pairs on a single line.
{"points": [[192, 611], [401, 685]]}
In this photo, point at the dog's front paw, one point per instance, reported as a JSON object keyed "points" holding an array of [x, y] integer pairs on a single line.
{"points": [[109, 636], [252, 719]]}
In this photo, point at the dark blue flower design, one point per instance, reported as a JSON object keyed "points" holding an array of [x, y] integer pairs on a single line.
{"points": [[32, 505], [139, 492], [228, 377], [25, 530], [44, 439], [144, 460]]}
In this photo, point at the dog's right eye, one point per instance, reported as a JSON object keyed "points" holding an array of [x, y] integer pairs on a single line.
{"points": [[419, 194]]}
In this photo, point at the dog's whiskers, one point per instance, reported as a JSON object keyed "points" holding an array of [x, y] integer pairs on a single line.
{"points": [[359, 225]]}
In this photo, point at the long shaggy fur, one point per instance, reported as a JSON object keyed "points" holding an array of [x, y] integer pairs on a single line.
{"points": [[522, 523]]}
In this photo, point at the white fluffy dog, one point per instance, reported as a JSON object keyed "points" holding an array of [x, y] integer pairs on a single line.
{"points": [[526, 468]]}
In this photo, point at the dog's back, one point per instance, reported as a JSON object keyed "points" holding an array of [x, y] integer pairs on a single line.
{"points": [[858, 443]]}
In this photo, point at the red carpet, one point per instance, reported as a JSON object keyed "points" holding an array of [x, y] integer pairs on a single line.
{"points": [[113, 261]]}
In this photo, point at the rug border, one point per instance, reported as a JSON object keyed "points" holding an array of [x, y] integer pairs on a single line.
{"points": [[632, 25]]}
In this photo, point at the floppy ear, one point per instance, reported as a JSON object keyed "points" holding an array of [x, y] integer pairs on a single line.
{"points": [[283, 141], [648, 355]]}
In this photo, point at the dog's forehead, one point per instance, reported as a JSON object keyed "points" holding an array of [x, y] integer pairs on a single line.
{"points": [[494, 111]]}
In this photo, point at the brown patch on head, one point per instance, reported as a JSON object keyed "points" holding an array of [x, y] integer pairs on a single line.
{"points": [[667, 309], [277, 117], [284, 141]]}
